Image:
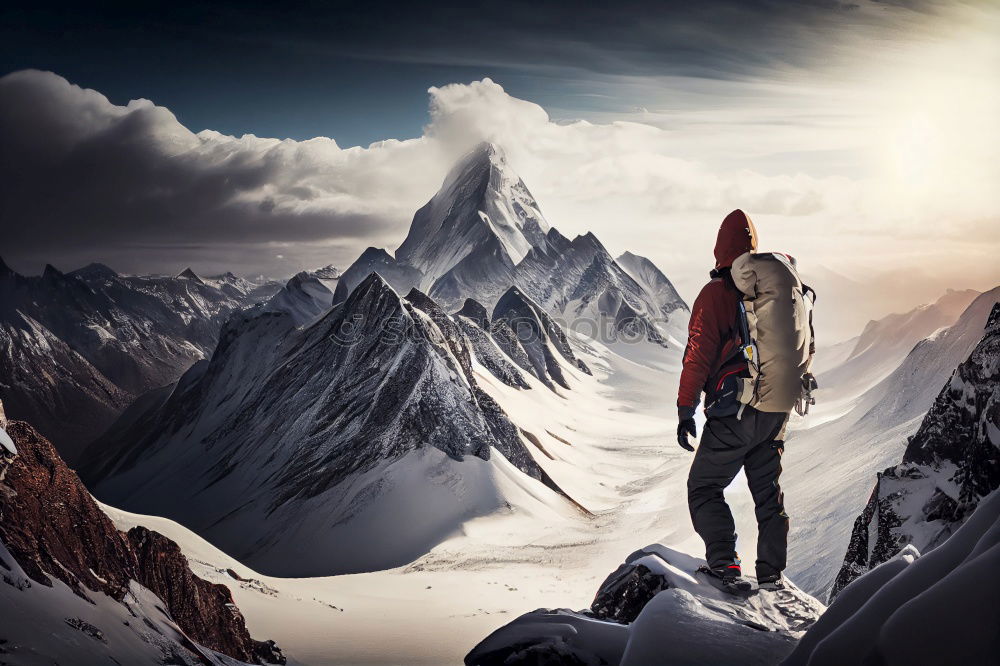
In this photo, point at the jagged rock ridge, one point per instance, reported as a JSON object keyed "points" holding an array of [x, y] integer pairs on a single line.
{"points": [[286, 425], [949, 465]]}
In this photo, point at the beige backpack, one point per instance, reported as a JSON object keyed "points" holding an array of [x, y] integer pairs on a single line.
{"points": [[778, 334]]}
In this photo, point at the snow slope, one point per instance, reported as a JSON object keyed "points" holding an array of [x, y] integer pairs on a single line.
{"points": [[611, 448], [829, 465], [368, 427], [884, 343], [304, 297], [939, 608], [483, 213], [949, 465]]}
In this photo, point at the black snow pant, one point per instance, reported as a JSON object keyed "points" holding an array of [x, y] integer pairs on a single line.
{"points": [[727, 445]]}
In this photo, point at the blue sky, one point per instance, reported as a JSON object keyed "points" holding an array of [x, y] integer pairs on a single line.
{"points": [[359, 72]]}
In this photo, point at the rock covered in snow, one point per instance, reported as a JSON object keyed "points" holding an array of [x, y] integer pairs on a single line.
{"points": [[525, 331], [286, 431], [950, 464], [655, 609], [913, 610], [328, 272], [59, 538], [304, 297], [396, 274]]}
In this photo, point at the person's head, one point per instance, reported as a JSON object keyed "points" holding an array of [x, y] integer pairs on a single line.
{"points": [[737, 235]]}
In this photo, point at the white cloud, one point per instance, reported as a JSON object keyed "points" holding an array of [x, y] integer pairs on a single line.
{"points": [[134, 188]]}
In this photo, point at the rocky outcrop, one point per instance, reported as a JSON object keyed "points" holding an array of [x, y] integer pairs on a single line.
{"points": [[205, 611], [949, 465], [474, 322], [656, 609], [54, 529]]}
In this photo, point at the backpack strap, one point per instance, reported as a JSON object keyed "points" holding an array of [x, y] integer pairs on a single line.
{"points": [[806, 289]]}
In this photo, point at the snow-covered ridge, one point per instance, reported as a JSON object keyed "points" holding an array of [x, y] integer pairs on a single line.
{"points": [[291, 430], [949, 465], [483, 232], [939, 608]]}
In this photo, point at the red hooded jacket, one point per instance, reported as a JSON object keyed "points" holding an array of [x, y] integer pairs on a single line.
{"points": [[713, 337]]}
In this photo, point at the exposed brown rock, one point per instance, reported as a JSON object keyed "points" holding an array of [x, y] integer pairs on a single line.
{"points": [[205, 611], [53, 527]]}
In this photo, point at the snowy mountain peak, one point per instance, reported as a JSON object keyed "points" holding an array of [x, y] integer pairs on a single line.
{"points": [[94, 271], [188, 274], [373, 289], [651, 278], [304, 297], [328, 272], [480, 200], [51, 272]]}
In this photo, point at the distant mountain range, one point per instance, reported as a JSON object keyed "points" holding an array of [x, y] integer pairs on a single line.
{"points": [[322, 410], [483, 232], [76, 348]]}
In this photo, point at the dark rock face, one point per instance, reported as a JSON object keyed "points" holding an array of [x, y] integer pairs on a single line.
{"points": [[53, 527], [475, 311], [77, 348], [949, 466], [474, 322], [205, 611], [624, 593], [529, 332]]}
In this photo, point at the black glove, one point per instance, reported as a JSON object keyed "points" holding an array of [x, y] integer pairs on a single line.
{"points": [[685, 427]]}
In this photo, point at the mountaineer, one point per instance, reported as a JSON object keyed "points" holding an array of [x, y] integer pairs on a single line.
{"points": [[750, 345]]}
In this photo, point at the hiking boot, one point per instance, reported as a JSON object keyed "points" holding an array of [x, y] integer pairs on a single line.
{"points": [[772, 582], [728, 579]]}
